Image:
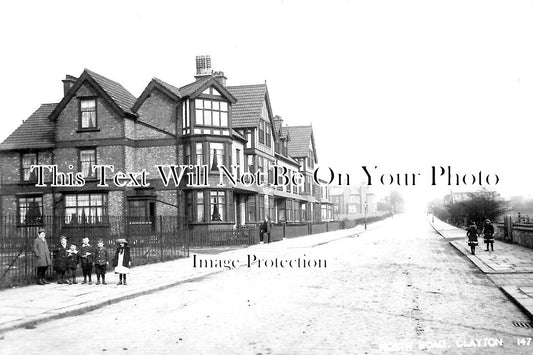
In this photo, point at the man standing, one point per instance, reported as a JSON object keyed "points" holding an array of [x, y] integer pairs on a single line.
{"points": [[488, 234], [42, 256], [267, 228]]}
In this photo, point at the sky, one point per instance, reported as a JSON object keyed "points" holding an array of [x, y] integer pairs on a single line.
{"points": [[397, 85]]}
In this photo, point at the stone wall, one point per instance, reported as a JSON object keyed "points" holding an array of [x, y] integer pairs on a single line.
{"points": [[522, 234]]}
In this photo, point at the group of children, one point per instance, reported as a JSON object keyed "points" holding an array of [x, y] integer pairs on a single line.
{"points": [[67, 258]]}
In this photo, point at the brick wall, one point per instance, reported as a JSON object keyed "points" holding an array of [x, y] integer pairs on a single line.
{"points": [[158, 110], [115, 203], [148, 157], [10, 163], [169, 197]]}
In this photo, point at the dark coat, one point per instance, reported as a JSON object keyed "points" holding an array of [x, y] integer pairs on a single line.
{"points": [[73, 260], [89, 259], [488, 230], [127, 257], [101, 256], [488, 233], [60, 259], [471, 233], [41, 252], [266, 227]]}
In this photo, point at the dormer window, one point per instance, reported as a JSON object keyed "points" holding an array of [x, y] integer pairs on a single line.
{"points": [[211, 113], [88, 113]]}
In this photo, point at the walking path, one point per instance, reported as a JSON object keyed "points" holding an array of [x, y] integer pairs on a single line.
{"points": [[510, 266], [27, 306]]}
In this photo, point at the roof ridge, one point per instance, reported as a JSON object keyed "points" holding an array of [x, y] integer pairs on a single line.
{"points": [[236, 86]]}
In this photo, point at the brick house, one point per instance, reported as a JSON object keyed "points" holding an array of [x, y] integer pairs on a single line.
{"points": [[206, 122], [350, 203]]}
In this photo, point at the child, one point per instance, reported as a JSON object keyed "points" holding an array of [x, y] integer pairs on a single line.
{"points": [[101, 258], [72, 263], [86, 260], [122, 260], [60, 260]]}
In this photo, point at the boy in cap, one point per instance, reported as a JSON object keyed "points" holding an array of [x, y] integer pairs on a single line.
{"points": [[72, 263], [86, 260], [101, 258]]}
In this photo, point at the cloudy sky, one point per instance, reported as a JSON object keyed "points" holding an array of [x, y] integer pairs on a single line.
{"points": [[401, 85]]}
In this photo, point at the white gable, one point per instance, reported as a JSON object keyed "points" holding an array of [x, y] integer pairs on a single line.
{"points": [[211, 91]]}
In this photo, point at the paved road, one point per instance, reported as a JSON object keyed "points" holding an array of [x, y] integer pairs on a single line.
{"points": [[398, 288]]}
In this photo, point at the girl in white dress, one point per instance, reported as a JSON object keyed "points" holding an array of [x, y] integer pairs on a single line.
{"points": [[122, 260]]}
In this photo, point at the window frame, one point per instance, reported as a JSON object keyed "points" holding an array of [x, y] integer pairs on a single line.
{"points": [[212, 110], [261, 131], [39, 220], [22, 169], [80, 117], [220, 156], [90, 220], [91, 175]]}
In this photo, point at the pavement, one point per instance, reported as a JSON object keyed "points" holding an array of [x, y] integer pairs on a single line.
{"points": [[509, 266], [25, 307]]}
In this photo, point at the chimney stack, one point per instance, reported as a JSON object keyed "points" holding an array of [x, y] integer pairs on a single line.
{"points": [[203, 66], [220, 77], [68, 82], [203, 69]]}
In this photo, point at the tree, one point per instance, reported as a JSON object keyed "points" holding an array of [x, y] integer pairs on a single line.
{"points": [[478, 207], [393, 202], [481, 207]]}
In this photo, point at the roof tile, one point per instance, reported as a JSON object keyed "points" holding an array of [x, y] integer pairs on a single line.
{"points": [[35, 132], [122, 97], [247, 110], [298, 145]]}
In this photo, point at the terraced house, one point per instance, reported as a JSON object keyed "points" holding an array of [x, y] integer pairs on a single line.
{"points": [[99, 122]]}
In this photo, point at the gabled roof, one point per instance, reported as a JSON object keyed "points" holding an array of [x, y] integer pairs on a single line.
{"points": [[196, 88], [247, 110], [238, 135], [174, 90], [35, 132], [301, 137], [168, 89], [286, 158], [119, 98]]}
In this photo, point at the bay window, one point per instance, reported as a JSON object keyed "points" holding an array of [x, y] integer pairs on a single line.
{"points": [[218, 206], [85, 208]]}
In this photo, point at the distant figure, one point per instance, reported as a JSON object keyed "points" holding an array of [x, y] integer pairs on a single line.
{"points": [[471, 233], [488, 234], [267, 228]]}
